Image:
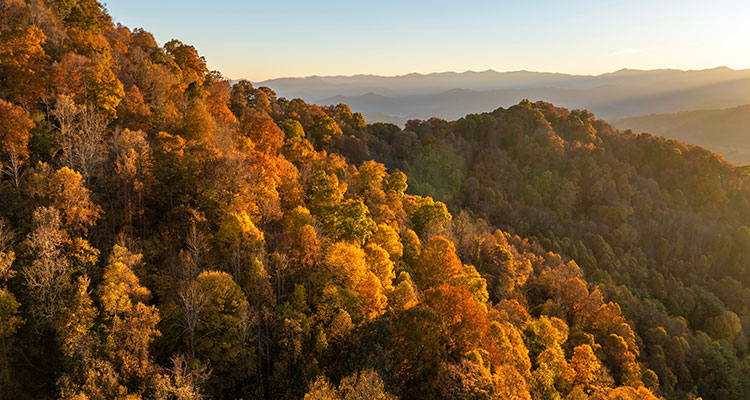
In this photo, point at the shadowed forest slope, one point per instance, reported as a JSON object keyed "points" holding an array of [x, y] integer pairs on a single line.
{"points": [[726, 131]]}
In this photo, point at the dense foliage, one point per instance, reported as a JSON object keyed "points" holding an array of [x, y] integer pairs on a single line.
{"points": [[663, 228], [167, 235]]}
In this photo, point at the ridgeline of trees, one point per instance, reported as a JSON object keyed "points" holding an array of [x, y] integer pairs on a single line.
{"points": [[166, 235]]}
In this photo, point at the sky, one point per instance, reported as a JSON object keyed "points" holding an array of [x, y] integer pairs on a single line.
{"points": [[258, 40]]}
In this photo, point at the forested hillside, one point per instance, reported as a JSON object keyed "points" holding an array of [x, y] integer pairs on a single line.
{"points": [[167, 235], [659, 226]]}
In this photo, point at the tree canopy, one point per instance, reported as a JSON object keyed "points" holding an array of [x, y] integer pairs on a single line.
{"points": [[166, 234]]}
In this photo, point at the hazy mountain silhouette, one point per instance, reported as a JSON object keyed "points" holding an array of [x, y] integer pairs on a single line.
{"points": [[451, 95], [726, 132]]}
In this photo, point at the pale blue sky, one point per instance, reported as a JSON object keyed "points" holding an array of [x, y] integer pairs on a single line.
{"points": [[267, 39]]}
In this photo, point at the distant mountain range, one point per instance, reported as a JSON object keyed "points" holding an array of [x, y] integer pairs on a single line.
{"points": [[726, 132], [451, 95]]}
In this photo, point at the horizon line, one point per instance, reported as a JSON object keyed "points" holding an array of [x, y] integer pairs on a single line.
{"points": [[491, 70]]}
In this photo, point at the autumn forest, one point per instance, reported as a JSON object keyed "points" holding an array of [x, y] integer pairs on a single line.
{"points": [[166, 233]]}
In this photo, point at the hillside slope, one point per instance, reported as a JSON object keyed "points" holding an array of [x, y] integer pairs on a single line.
{"points": [[725, 131], [662, 227], [167, 235]]}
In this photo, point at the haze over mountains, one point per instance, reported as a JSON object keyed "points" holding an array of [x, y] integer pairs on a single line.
{"points": [[450, 95], [726, 132]]}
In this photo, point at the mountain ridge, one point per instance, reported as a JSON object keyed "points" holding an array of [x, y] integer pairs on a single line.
{"points": [[490, 70], [449, 95]]}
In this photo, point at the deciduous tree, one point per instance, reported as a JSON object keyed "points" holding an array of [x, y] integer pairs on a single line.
{"points": [[15, 125]]}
